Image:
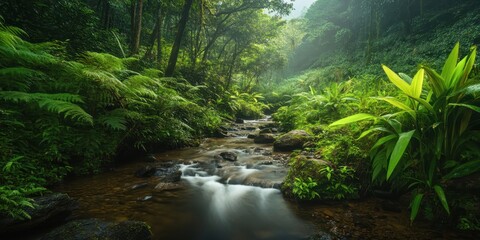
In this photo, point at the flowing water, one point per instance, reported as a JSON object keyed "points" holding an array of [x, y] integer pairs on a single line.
{"points": [[218, 199], [215, 199]]}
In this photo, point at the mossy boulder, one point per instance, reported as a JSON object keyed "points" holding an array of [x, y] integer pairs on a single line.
{"points": [[49, 209], [264, 138], [292, 140], [99, 229], [310, 178], [302, 167]]}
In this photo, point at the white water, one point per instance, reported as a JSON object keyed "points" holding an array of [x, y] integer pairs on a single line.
{"points": [[233, 211]]}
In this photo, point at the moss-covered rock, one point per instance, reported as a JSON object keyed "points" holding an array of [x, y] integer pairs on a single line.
{"points": [[292, 140], [311, 179], [99, 229], [302, 167], [49, 209]]}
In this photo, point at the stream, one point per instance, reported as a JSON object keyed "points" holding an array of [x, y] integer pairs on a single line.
{"points": [[215, 198], [219, 199]]}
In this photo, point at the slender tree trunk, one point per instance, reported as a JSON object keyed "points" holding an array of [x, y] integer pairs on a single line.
{"points": [[159, 40], [133, 13], [154, 36], [137, 27], [172, 62]]}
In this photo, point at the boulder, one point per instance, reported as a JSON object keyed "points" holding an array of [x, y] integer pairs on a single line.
{"points": [[291, 141], [264, 138], [146, 171], [303, 168], [172, 174], [252, 135], [99, 229], [50, 209], [229, 156]]}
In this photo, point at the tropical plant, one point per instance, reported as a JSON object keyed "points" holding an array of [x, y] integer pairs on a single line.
{"points": [[434, 136], [339, 182], [305, 189]]}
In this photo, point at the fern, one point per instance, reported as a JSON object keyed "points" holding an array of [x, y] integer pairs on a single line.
{"points": [[115, 119], [103, 61], [60, 103], [17, 78]]}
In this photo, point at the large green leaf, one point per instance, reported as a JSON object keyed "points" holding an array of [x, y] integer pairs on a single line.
{"points": [[449, 66], [473, 107], [458, 73], [470, 63], [398, 151], [400, 105], [464, 170], [417, 83], [441, 196], [397, 80], [436, 81], [351, 119], [417, 200]]}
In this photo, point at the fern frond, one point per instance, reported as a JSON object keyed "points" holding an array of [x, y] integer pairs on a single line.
{"points": [[68, 109], [103, 61], [115, 119], [60, 103], [17, 78]]}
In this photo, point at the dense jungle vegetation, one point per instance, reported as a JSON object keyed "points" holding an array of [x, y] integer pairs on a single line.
{"points": [[85, 84]]}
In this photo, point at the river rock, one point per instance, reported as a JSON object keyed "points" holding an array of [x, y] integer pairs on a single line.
{"points": [[229, 156], [172, 174], [50, 209], [291, 141], [99, 229], [264, 138], [239, 120], [265, 130], [146, 171], [167, 186], [252, 135]]}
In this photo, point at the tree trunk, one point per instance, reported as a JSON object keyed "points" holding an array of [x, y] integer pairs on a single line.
{"points": [[154, 36], [178, 38], [137, 28]]}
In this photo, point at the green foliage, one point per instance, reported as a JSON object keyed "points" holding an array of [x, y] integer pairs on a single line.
{"points": [[310, 179], [305, 189], [431, 139], [339, 184], [65, 116]]}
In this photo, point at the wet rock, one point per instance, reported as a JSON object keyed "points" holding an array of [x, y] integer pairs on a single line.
{"points": [[229, 156], [146, 171], [99, 229], [138, 186], [291, 141], [50, 209], [266, 130], [220, 134], [167, 186], [248, 128], [252, 135], [172, 174], [264, 138], [239, 120]]}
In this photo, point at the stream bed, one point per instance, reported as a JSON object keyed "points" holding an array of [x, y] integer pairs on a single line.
{"points": [[219, 199]]}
